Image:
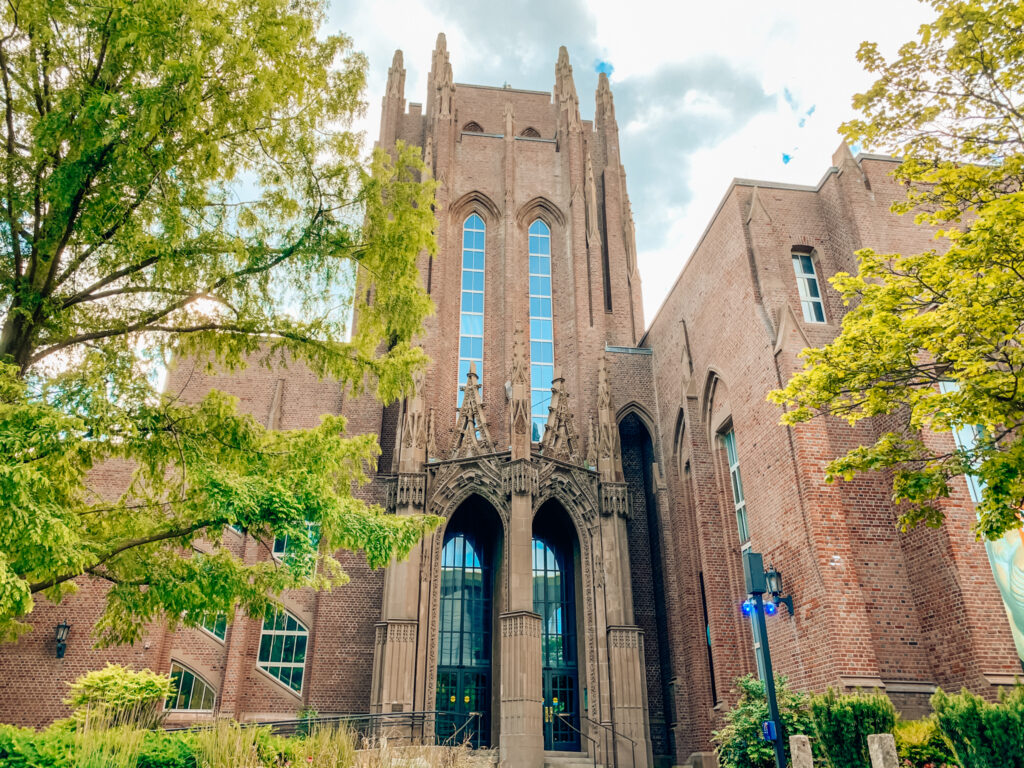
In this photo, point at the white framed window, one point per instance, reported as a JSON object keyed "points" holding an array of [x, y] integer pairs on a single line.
{"points": [[190, 692], [216, 624], [283, 647], [283, 546], [542, 345], [471, 318], [740, 502], [810, 291]]}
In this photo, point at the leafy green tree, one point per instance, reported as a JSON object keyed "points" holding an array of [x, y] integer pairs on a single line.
{"points": [[934, 339], [180, 178], [739, 743]]}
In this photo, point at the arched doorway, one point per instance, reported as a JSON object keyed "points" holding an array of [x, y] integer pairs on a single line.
{"points": [[647, 569], [470, 559], [555, 554]]}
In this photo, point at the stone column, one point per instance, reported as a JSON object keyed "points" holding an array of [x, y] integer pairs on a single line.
{"points": [[522, 738], [394, 664], [629, 695]]}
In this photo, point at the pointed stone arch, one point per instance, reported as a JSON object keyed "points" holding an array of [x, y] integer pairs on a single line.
{"points": [[472, 127], [474, 202], [715, 407], [540, 208], [530, 133]]}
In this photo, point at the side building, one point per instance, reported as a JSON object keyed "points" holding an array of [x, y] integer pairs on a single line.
{"points": [[598, 482]]}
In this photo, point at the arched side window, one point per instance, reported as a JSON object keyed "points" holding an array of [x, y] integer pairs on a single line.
{"points": [[472, 127], [216, 624], [283, 647], [471, 322], [530, 133], [542, 347], [739, 500], [190, 690], [807, 284]]}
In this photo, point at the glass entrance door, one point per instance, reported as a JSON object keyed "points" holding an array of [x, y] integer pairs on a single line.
{"points": [[554, 600], [464, 645]]}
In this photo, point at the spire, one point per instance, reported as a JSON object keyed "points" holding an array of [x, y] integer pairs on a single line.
{"points": [[560, 439], [442, 87], [396, 78], [471, 435], [519, 397], [565, 92], [609, 457], [605, 103]]}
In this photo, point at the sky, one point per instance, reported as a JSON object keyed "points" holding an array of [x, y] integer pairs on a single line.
{"points": [[704, 91]]}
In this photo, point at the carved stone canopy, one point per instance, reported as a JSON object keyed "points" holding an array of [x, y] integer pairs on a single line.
{"points": [[560, 440], [472, 437]]}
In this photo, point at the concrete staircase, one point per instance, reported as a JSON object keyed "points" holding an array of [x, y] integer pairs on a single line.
{"points": [[569, 760]]}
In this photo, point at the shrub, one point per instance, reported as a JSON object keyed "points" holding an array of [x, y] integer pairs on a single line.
{"points": [[842, 725], [120, 696], [739, 743], [983, 735], [920, 743], [167, 750]]}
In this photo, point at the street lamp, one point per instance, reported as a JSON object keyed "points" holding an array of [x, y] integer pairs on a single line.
{"points": [[773, 581], [62, 638], [758, 582]]}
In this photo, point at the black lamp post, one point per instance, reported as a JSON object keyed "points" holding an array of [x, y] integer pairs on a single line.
{"points": [[62, 638], [758, 582]]}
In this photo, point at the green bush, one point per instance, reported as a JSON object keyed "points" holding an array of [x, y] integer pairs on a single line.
{"points": [[982, 734], [117, 695], [168, 750], [919, 743], [842, 724], [739, 743]]}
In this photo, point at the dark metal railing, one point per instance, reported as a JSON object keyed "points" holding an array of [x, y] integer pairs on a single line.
{"points": [[566, 718], [416, 726], [611, 729]]}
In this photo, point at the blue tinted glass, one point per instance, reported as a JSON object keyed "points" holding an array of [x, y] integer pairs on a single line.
{"points": [[543, 246], [540, 352], [819, 313], [478, 240], [541, 376], [540, 330], [538, 429], [539, 228], [807, 264], [540, 286], [472, 325], [472, 260], [474, 222], [467, 239]]}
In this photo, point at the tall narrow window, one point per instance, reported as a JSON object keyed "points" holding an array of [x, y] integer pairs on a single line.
{"points": [[283, 647], [542, 347], [807, 285], [729, 438], [471, 326]]}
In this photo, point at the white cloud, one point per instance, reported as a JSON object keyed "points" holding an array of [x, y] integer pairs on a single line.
{"points": [[718, 70]]}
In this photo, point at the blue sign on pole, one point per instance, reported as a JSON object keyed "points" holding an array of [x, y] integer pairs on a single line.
{"points": [[768, 732]]}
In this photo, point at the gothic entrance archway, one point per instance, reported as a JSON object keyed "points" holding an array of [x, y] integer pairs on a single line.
{"points": [[555, 554], [470, 559]]}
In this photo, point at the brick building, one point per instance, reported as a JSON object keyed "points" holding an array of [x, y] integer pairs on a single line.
{"points": [[598, 480]]}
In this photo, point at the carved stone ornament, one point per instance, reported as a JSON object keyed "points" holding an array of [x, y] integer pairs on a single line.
{"points": [[609, 457], [521, 624], [396, 77], [560, 440], [591, 458], [407, 489], [519, 477], [568, 101], [414, 428], [590, 195], [615, 500], [471, 435], [519, 402], [441, 74]]}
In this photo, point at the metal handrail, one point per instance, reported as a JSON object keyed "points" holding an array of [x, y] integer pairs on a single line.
{"points": [[564, 716], [449, 740], [358, 722], [611, 728]]}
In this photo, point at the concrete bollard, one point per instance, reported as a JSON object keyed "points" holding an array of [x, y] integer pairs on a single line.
{"points": [[882, 749], [800, 752]]}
